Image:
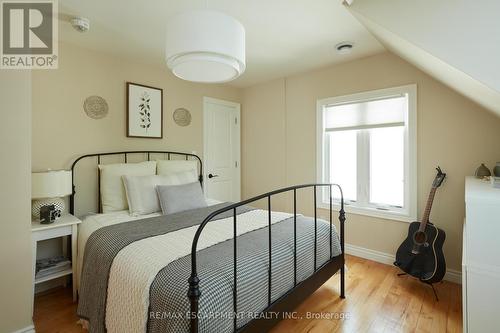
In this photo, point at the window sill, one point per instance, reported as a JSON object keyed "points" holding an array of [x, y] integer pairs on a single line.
{"points": [[372, 212]]}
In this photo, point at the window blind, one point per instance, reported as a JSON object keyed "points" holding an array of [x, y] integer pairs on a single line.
{"points": [[386, 112]]}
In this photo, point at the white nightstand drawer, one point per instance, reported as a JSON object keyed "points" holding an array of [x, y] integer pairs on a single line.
{"points": [[52, 233]]}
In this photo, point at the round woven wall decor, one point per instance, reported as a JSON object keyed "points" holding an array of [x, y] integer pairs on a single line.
{"points": [[95, 107], [182, 117]]}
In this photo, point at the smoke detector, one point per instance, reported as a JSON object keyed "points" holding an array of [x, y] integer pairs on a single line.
{"points": [[81, 24], [344, 47]]}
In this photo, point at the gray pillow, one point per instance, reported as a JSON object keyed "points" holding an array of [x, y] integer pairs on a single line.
{"points": [[178, 198]]}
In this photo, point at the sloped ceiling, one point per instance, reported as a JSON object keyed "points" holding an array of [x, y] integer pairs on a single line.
{"points": [[456, 41]]}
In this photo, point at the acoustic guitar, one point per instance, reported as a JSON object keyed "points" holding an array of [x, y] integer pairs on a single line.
{"points": [[421, 253]]}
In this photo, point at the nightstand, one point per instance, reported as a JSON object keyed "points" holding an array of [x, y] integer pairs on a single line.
{"points": [[64, 226]]}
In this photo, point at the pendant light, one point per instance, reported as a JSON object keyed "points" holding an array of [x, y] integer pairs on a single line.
{"points": [[205, 46]]}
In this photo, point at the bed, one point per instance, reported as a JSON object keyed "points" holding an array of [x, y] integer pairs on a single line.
{"points": [[227, 267]]}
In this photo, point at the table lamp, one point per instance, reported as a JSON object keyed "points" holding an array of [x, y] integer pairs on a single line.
{"points": [[48, 188]]}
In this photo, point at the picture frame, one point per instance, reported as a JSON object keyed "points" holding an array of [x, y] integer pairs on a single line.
{"points": [[144, 109]]}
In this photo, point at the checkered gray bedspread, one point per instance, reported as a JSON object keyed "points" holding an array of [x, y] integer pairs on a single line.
{"points": [[169, 305]]}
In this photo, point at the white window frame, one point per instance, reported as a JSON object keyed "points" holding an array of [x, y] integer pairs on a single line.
{"points": [[409, 211]]}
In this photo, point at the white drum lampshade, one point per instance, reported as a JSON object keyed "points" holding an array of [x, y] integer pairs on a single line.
{"points": [[48, 188], [205, 46]]}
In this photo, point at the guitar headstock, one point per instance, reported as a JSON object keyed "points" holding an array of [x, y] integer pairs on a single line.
{"points": [[438, 180]]}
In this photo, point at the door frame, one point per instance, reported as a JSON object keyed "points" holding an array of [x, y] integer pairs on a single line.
{"points": [[237, 106]]}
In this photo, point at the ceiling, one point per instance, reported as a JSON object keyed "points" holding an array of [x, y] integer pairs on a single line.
{"points": [[461, 52], [283, 37]]}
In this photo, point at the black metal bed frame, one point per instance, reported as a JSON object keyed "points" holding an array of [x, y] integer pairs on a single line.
{"points": [[293, 297], [288, 301], [125, 154]]}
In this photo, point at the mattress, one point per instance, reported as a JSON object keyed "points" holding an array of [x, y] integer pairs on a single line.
{"points": [[133, 271]]}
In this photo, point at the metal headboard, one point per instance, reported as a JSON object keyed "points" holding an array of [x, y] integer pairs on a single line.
{"points": [[125, 154]]}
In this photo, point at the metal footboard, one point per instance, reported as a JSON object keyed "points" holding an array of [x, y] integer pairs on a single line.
{"points": [[194, 291]]}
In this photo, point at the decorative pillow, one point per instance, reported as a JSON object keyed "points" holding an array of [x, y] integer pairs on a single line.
{"points": [[167, 167], [141, 190], [180, 198], [113, 196]]}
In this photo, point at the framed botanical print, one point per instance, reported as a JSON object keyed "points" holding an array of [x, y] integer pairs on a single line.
{"points": [[144, 111]]}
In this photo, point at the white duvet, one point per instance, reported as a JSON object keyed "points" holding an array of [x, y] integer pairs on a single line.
{"points": [[94, 222]]}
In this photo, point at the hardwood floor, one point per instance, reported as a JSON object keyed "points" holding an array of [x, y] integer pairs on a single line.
{"points": [[377, 300]]}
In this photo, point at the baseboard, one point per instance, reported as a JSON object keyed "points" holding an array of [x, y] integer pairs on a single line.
{"points": [[454, 276], [388, 259], [29, 329], [365, 253]]}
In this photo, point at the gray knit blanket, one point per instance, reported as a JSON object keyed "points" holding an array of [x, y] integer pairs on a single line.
{"points": [[167, 305]]}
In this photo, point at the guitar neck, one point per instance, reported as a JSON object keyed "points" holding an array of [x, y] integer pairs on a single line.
{"points": [[428, 208]]}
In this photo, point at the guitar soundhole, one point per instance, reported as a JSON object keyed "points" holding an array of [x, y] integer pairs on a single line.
{"points": [[419, 238]]}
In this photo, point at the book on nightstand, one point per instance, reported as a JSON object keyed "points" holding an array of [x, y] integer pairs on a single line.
{"points": [[49, 266]]}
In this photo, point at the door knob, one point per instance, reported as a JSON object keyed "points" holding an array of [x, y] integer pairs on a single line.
{"points": [[210, 176]]}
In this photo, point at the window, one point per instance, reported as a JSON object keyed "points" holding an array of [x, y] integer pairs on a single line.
{"points": [[367, 144]]}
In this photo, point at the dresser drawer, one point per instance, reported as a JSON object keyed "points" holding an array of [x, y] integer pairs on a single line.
{"points": [[464, 277]]}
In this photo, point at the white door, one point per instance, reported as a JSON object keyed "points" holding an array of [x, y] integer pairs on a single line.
{"points": [[221, 167]]}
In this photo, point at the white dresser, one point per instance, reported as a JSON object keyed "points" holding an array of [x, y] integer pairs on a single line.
{"points": [[481, 257]]}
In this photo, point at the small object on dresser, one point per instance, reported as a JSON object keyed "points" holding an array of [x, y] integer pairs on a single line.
{"points": [[482, 171], [496, 170], [495, 181]]}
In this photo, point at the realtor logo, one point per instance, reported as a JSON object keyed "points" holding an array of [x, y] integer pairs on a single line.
{"points": [[29, 35]]}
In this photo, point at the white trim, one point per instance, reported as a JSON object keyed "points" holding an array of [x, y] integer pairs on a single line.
{"points": [[388, 259], [370, 211], [373, 255], [237, 146], [28, 329], [348, 128], [454, 276], [409, 213], [412, 151], [220, 102]]}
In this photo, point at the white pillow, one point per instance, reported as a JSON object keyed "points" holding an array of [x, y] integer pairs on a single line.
{"points": [[113, 196], [167, 167], [141, 190]]}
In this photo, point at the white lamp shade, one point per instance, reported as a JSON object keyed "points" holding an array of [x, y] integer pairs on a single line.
{"points": [[205, 46], [51, 184]]}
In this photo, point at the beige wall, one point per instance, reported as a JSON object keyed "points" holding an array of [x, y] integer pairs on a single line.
{"points": [[278, 128], [15, 196], [279, 142], [263, 138], [62, 131]]}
